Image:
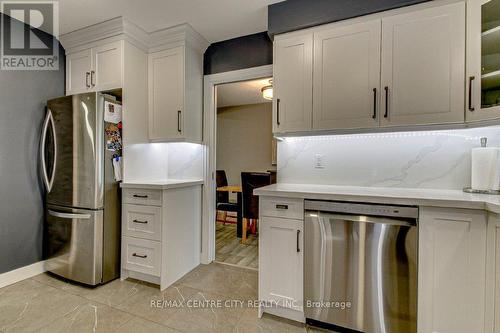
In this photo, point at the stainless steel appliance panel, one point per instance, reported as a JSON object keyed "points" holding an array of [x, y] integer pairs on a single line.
{"points": [[77, 175], [73, 244], [367, 261]]}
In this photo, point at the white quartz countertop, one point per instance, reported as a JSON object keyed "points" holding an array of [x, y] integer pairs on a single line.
{"points": [[385, 195], [163, 184]]}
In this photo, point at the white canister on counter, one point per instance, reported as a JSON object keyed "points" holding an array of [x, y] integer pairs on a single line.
{"points": [[485, 171]]}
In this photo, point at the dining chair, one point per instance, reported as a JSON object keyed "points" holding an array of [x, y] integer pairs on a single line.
{"points": [[249, 182], [222, 200]]}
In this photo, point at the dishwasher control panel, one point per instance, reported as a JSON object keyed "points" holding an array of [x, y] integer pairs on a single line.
{"points": [[362, 208]]}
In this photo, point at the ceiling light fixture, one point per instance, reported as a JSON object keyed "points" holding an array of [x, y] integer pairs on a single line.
{"points": [[267, 91]]}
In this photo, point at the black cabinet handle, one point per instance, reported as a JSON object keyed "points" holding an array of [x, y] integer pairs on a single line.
{"points": [[139, 221], [471, 81], [179, 129], [140, 196], [92, 78], [139, 256], [87, 79], [374, 116], [298, 236], [281, 206], [278, 111], [386, 114]]}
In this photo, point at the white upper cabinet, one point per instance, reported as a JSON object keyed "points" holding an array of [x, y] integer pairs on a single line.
{"points": [[107, 67], [347, 76], [402, 68], [483, 60], [78, 67], [175, 94], [292, 104], [166, 94], [97, 68], [451, 270], [160, 74], [423, 66]]}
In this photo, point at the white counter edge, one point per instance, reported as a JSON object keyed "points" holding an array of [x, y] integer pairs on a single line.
{"points": [[170, 184], [477, 201]]}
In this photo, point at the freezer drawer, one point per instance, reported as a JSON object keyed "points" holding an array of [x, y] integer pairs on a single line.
{"points": [[73, 244]]}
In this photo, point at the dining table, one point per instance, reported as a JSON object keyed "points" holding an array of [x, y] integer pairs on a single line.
{"points": [[239, 202]]}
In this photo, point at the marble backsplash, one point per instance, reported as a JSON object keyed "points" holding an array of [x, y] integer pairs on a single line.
{"points": [[162, 161], [427, 159], [185, 161]]}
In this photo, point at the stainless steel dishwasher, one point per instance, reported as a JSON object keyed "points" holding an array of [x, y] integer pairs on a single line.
{"points": [[360, 267]]}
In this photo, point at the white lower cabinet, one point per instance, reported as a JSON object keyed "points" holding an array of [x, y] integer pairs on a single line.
{"points": [[451, 276], [492, 313], [281, 260], [141, 255], [161, 230], [459, 250]]}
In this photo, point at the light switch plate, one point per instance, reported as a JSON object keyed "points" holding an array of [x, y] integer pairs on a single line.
{"points": [[319, 161]]}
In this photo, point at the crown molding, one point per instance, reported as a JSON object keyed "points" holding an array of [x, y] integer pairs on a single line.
{"points": [[120, 27], [182, 34]]}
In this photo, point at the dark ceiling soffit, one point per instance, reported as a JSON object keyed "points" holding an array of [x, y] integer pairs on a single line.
{"points": [[238, 53], [291, 15]]}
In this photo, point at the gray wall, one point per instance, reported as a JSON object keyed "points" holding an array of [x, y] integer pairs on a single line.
{"points": [[299, 14], [244, 140], [22, 100]]}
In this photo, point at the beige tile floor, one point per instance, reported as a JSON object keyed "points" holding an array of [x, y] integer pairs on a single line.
{"points": [[46, 304]]}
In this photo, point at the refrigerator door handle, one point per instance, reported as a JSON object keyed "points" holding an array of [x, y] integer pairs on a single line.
{"points": [[49, 119], [69, 215]]}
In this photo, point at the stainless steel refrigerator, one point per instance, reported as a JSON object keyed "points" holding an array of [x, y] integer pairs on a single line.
{"points": [[82, 223]]}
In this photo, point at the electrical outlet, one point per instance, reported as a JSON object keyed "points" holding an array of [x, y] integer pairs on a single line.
{"points": [[319, 161]]}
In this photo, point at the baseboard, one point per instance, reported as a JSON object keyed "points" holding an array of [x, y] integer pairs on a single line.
{"points": [[284, 313], [22, 273]]}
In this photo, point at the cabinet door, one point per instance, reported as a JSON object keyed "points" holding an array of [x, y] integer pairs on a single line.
{"points": [[107, 67], [483, 60], [492, 313], [292, 104], [451, 277], [423, 66], [78, 67], [166, 94], [281, 262], [347, 76]]}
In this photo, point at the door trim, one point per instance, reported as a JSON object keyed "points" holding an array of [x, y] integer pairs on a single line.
{"points": [[209, 146]]}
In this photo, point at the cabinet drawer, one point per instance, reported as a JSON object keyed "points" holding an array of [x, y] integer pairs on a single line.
{"points": [[282, 207], [140, 255], [142, 197], [142, 221]]}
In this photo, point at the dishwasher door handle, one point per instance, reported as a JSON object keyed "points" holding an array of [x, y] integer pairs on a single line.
{"points": [[371, 219]]}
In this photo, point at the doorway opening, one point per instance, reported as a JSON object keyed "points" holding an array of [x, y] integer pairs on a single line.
{"points": [[209, 217], [245, 160]]}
